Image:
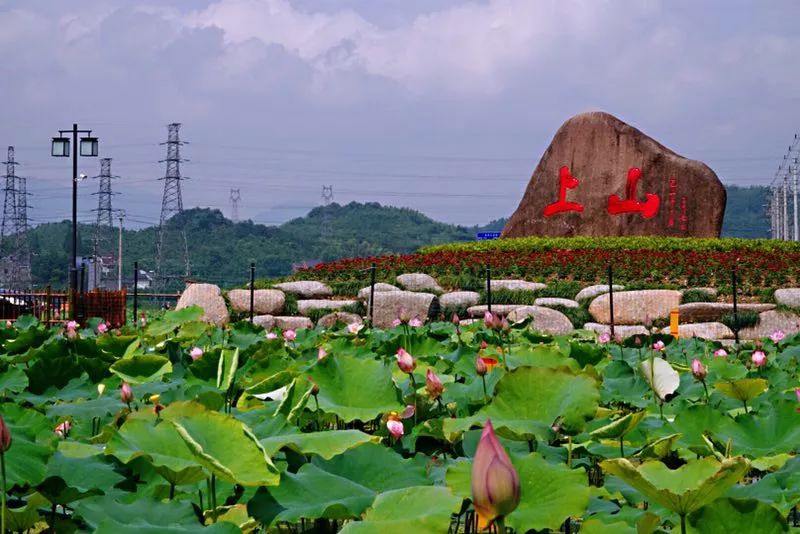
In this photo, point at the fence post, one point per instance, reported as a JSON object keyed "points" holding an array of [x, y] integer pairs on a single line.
{"points": [[48, 314], [252, 289], [372, 269], [735, 307], [136, 293], [611, 298], [489, 288]]}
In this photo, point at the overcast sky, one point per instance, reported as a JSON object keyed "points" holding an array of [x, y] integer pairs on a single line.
{"points": [[440, 105]]}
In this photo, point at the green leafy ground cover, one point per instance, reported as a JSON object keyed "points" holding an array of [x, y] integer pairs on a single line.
{"points": [[606, 437]]}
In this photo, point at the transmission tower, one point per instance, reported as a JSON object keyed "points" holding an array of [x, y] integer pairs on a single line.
{"points": [[172, 251], [235, 196], [16, 254], [784, 210], [327, 199], [102, 231]]}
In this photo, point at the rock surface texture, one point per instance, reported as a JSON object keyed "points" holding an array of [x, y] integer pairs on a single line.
{"points": [[545, 320], [208, 297], [389, 305], [635, 307], [704, 312], [307, 289], [265, 301], [603, 177], [789, 296], [418, 282]]}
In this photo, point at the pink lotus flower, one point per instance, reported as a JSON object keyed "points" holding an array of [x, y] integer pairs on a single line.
{"points": [[408, 412], [272, 335], [395, 428], [777, 336], [699, 370], [433, 384], [196, 353], [126, 393], [321, 354], [415, 322], [289, 335], [797, 394], [405, 361], [142, 321], [759, 359], [604, 337], [721, 353], [102, 328], [62, 429], [659, 346], [354, 328], [495, 482], [396, 323], [72, 325], [5, 436]]}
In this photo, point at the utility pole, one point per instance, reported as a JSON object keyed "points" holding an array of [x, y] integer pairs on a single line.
{"points": [[102, 236], [786, 235], [172, 250], [794, 202], [16, 257], [119, 251], [235, 196]]}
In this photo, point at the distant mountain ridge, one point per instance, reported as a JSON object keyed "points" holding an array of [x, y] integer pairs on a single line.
{"points": [[221, 250]]}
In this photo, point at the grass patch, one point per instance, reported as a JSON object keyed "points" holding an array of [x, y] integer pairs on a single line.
{"points": [[697, 295], [746, 319]]}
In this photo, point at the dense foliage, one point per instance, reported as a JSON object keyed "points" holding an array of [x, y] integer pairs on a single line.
{"points": [[762, 265], [181, 424]]}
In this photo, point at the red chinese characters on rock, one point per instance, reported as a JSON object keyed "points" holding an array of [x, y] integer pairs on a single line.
{"points": [[567, 181], [648, 208]]}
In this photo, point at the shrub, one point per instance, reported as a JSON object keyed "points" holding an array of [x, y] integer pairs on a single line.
{"points": [[697, 295]]}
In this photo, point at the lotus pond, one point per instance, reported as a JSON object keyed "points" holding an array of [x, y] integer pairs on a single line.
{"points": [[179, 426]]}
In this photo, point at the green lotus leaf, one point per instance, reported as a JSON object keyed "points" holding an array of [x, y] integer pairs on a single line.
{"points": [[622, 384], [528, 400], [549, 493], [774, 432], [745, 389], [682, 490], [693, 422], [13, 380], [340, 488], [595, 526], [540, 356], [659, 448], [223, 445], [172, 320], [24, 518], [618, 427], [115, 345], [69, 479], [355, 388], [295, 399], [415, 509], [157, 441], [780, 489], [226, 369], [660, 376], [141, 368], [33, 443], [325, 444], [737, 515]]}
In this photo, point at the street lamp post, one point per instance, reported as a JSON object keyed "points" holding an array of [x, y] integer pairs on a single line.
{"points": [[61, 148]]}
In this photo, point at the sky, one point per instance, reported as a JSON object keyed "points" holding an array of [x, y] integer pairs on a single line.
{"points": [[443, 106]]}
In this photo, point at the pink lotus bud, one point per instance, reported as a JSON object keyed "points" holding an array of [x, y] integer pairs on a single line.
{"points": [[797, 394], [699, 370], [5, 436], [126, 393], [72, 335], [314, 387], [405, 361], [321, 354], [9, 324], [721, 353], [408, 412], [354, 328], [289, 335], [637, 341], [272, 335], [415, 322], [157, 409], [604, 337], [759, 359], [143, 321], [396, 323], [659, 346], [196, 353], [504, 325], [488, 319], [62, 429], [102, 328], [648, 321], [495, 482], [480, 366], [455, 319], [777, 336], [433, 384], [404, 316], [484, 345], [395, 428]]}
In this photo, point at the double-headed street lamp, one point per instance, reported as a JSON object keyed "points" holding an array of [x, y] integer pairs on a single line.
{"points": [[60, 148]]}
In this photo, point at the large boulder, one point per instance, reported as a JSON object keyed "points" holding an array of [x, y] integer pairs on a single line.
{"points": [[459, 299], [635, 307], [702, 330], [553, 301], [789, 296], [265, 301], [516, 285], [267, 322], [707, 312], [545, 320], [293, 323], [363, 293], [620, 330], [498, 309], [595, 291], [306, 307], [603, 177], [208, 297], [390, 305], [306, 289], [419, 282], [332, 319], [772, 321]]}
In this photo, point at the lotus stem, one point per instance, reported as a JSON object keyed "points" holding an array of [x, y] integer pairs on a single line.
{"points": [[485, 396], [705, 388], [621, 446], [414, 395], [569, 452], [683, 524], [500, 523], [214, 496], [3, 511]]}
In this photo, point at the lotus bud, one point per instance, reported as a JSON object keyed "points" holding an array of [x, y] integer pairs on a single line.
{"points": [[759, 359], [321, 354], [101, 388], [354, 328], [699, 370], [196, 353], [455, 319], [9, 324], [408, 412], [272, 335], [504, 325], [721, 353], [415, 322], [495, 482], [5, 436], [395, 428], [289, 335], [405, 361], [142, 321], [777, 336], [155, 399], [102, 328], [637, 341], [126, 393], [62, 429], [314, 387], [659, 346], [604, 337], [484, 345], [480, 366], [797, 394], [396, 323], [157, 409], [433, 384], [648, 321], [488, 319]]}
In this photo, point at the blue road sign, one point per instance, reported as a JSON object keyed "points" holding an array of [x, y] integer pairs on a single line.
{"points": [[487, 235]]}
